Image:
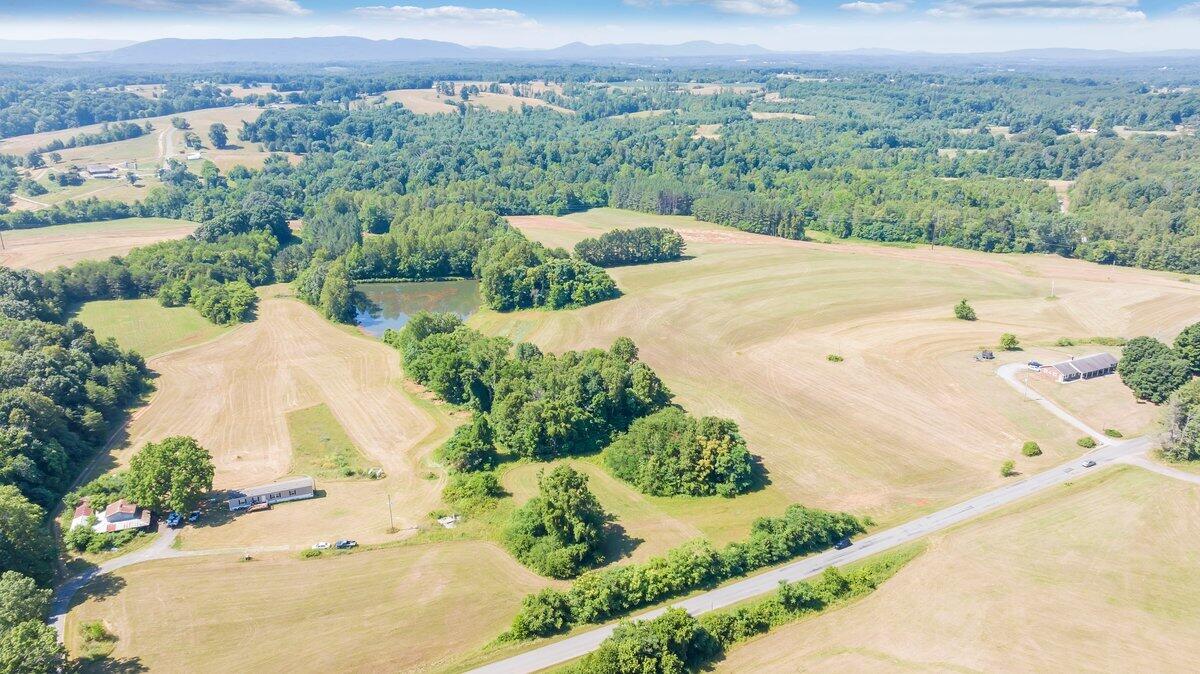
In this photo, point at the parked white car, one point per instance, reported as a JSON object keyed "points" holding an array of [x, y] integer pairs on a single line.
{"points": [[322, 545]]}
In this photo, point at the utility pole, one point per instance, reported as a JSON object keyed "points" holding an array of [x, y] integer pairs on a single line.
{"points": [[391, 520]]}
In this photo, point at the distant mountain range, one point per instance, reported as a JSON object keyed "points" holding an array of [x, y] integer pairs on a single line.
{"points": [[172, 51], [327, 49]]}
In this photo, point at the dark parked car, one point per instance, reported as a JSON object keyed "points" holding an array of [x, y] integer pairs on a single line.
{"points": [[193, 516], [345, 544], [174, 520], [842, 544]]}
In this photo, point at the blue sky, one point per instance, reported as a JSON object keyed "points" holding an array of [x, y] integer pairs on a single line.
{"points": [[933, 25]]}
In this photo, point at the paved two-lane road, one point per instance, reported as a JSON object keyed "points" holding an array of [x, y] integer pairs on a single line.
{"points": [[1108, 452]]}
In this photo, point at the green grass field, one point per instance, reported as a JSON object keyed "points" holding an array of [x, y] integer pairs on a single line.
{"points": [[321, 448], [146, 326]]}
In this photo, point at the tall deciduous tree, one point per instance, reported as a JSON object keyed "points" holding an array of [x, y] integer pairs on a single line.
{"points": [[173, 474], [25, 545], [219, 135]]}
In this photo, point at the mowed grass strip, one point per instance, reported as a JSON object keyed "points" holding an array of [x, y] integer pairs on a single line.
{"points": [[1097, 575], [409, 608], [146, 326], [321, 448]]}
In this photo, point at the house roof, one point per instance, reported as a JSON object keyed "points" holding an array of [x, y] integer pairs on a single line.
{"points": [[303, 482], [1085, 364], [84, 510], [120, 506], [99, 168]]}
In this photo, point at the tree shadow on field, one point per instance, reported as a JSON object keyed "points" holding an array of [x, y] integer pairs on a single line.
{"points": [[760, 477], [108, 665], [99, 589], [618, 544]]}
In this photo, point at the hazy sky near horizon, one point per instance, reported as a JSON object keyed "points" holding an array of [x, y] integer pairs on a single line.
{"points": [[800, 25]]}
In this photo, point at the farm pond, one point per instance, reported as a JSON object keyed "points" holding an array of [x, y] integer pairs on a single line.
{"points": [[388, 305]]}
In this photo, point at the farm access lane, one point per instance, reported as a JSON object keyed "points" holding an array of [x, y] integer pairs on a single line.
{"points": [[1106, 453]]}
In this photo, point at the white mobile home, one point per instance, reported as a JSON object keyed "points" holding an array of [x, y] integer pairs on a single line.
{"points": [[291, 489]]}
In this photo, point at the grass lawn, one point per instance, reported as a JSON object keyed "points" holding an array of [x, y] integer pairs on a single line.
{"points": [[146, 326], [321, 448], [1097, 575]]}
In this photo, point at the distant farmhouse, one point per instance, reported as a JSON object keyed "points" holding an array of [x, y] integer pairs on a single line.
{"points": [[293, 489], [1085, 367], [118, 516], [101, 171]]}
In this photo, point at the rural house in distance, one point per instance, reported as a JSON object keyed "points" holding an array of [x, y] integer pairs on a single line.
{"points": [[1086, 367], [292, 489], [118, 516]]}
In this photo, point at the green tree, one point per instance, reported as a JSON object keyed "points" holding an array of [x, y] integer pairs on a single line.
{"points": [[963, 311], [558, 532], [25, 544], [21, 600], [337, 293], [1008, 342], [170, 475], [1187, 345], [1031, 448], [470, 447], [219, 135], [1008, 468], [672, 643], [31, 648]]}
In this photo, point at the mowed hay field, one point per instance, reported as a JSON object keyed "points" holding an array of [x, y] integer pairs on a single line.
{"points": [[1094, 576], [233, 394], [45, 248], [146, 326], [412, 608], [430, 102], [909, 421]]}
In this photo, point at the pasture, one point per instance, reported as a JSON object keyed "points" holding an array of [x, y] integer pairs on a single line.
{"points": [[234, 395], [767, 116], [430, 102], [45, 248], [1095, 575], [909, 421], [408, 608], [707, 131], [146, 326]]}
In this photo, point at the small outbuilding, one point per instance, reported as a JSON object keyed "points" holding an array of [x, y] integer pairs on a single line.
{"points": [[101, 171], [1084, 367], [291, 489]]}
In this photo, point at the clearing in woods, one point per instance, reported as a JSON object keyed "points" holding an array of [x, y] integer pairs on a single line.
{"points": [[1096, 575], [233, 394], [146, 326], [763, 116], [430, 102], [141, 155], [45, 248], [414, 607], [909, 421]]}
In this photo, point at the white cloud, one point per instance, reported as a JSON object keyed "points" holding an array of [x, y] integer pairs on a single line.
{"points": [[288, 7], [1093, 10], [747, 7], [446, 13], [1190, 9], [886, 7]]}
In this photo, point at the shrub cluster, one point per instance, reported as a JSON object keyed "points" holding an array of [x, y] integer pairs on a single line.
{"points": [[1182, 439], [631, 246], [603, 594], [670, 453], [558, 533]]}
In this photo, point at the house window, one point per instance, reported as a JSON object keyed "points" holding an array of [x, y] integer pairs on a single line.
{"points": [[292, 492]]}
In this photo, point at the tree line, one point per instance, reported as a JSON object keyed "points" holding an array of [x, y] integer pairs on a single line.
{"points": [[600, 595], [631, 246]]}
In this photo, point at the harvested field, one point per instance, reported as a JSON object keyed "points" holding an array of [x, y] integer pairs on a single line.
{"points": [[908, 421], [146, 326], [45, 248], [1094, 576], [417, 101], [707, 131], [402, 609], [712, 89], [766, 116], [289, 359], [509, 103], [240, 91]]}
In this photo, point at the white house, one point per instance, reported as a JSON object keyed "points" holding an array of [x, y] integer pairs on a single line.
{"points": [[118, 516]]}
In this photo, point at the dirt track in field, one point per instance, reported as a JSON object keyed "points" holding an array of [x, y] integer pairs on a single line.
{"points": [[232, 395]]}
